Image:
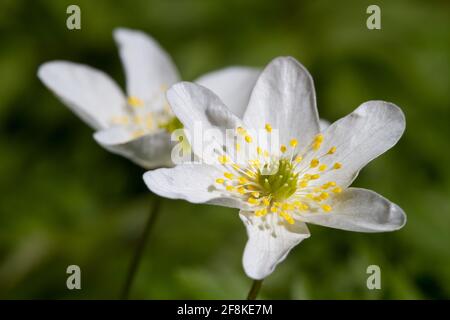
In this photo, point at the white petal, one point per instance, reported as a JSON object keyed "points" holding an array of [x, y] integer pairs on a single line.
{"points": [[149, 151], [360, 210], [284, 97], [88, 92], [192, 182], [149, 70], [269, 242], [323, 124], [370, 130], [233, 85], [199, 109]]}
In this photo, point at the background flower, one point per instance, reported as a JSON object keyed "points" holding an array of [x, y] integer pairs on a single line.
{"points": [[139, 125]]}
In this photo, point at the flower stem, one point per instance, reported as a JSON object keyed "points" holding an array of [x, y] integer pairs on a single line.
{"points": [[134, 265], [254, 290]]}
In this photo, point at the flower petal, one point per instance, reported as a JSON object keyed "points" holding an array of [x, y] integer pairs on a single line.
{"points": [[360, 210], [149, 70], [200, 110], [149, 151], [284, 97], [323, 124], [269, 242], [233, 85], [370, 130], [191, 182], [88, 92]]}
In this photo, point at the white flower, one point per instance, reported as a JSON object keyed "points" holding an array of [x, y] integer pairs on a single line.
{"points": [[313, 169], [138, 125]]}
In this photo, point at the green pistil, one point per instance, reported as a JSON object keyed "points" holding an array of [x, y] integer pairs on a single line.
{"points": [[282, 183], [171, 125]]}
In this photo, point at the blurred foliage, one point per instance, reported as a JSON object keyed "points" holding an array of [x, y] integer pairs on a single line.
{"points": [[64, 200]]}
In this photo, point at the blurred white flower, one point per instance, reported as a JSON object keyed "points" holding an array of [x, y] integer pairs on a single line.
{"points": [[137, 125], [306, 180]]}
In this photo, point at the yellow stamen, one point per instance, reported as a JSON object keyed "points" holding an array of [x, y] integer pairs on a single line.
{"points": [[326, 208], [293, 143], [268, 127], [220, 180], [337, 190], [223, 159], [248, 139], [135, 101], [337, 165], [314, 163], [283, 148], [298, 159], [332, 150], [228, 175], [322, 167]]}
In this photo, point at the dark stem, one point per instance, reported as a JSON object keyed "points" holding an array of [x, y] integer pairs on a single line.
{"points": [[134, 265], [254, 290]]}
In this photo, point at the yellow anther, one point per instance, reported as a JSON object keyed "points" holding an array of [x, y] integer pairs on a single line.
{"points": [[298, 159], [337, 165], [276, 204], [243, 180], [315, 176], [238, 146], [252, 200], [322, 167], [314, 163], [248, 139], [241, 130], [324, 195], [266, 201], [223, 159], [229, 188], [307, 176], [326, 208], [293, 143], [241, 190], [287, 217], [332, 184], [283, 148], [319, 138], [228, 175], [259, 150], [332, 150], [259, 213], [220, 180], [268, 127], [266, 153], [255, 194], [135, 101], [337, 190], [273, 209], [303, 183]]}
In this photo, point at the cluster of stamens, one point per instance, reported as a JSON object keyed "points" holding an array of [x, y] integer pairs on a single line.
{"points": [[141, 119], [280, 183]]}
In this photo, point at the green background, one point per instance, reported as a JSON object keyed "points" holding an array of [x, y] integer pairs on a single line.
{"points": [[64, 200]]}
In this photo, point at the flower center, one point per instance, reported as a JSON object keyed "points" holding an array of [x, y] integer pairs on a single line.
{"points": [[141, 117], [282, 183], [278, 180]]}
